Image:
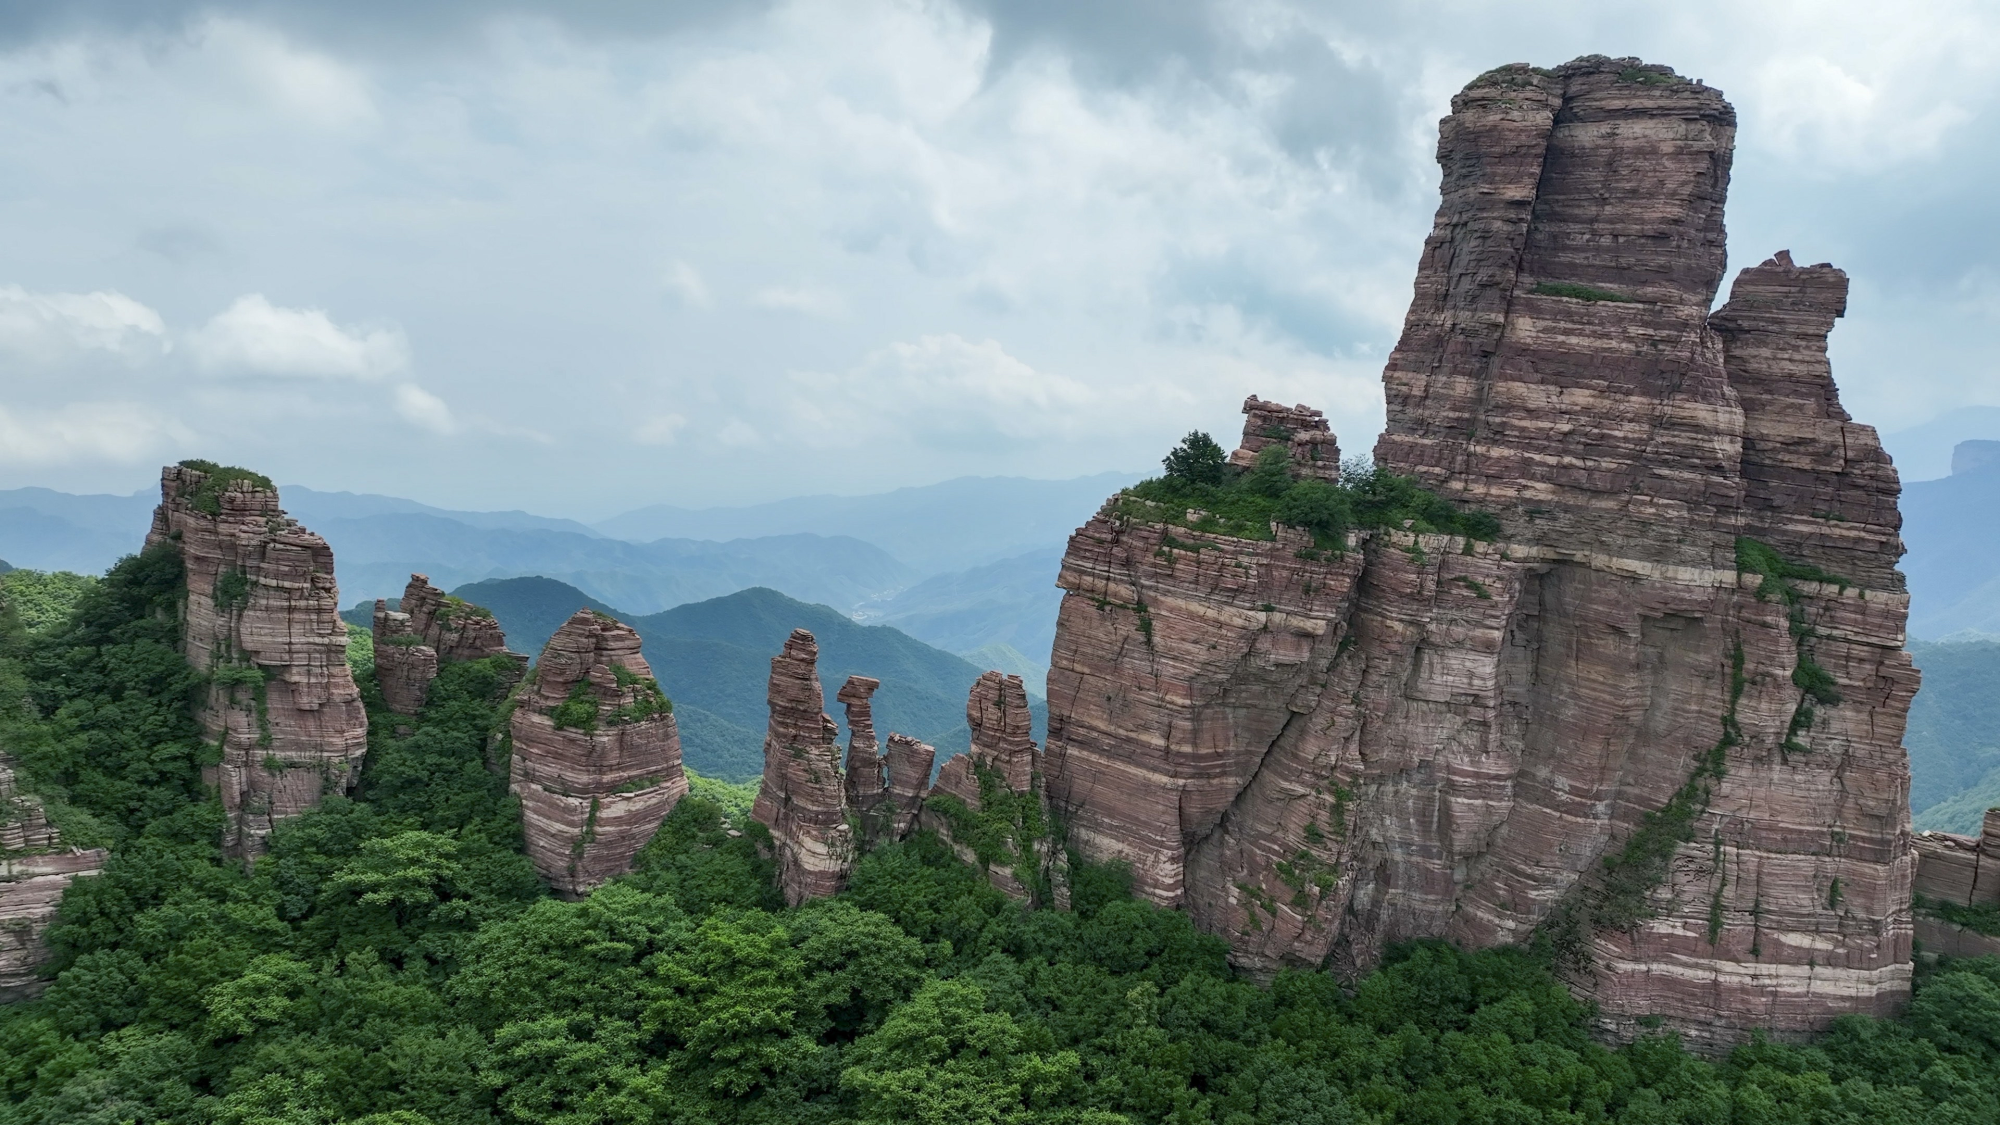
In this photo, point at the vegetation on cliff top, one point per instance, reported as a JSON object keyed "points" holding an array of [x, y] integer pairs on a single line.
{"points": [[393, 960], [207, 496], [1203, 492]]}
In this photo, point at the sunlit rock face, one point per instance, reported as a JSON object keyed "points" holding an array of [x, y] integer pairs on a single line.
{"points": [[596, 754], [1599, 732], [262, 619]]}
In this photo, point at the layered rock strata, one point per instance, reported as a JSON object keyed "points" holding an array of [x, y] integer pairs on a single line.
{"points": [[1958, 871], [596, 754], [1003, 761], [430, 627], [1598, 731], [262, 618], [1301, 430], [865, 783], [36, 866], [803, 800], [907, 765]]}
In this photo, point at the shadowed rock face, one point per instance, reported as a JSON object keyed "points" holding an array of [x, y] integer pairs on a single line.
{"points": [[596, 757], [263, 619], [35, 867], [1427, 737], [431, 627], [1958, 871], [803, 800]]}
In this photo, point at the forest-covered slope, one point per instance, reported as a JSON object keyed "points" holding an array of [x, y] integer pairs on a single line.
{"points": [[394, 960]]}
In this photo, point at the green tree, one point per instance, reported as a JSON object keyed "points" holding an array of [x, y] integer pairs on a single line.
{"points": [[1196, 460]]}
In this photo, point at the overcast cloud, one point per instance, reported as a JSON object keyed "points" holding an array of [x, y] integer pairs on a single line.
{"points": [[582, 257]]}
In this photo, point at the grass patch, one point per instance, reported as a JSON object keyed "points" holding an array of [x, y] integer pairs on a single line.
{"points": [[207, 496], [1576, 292]]}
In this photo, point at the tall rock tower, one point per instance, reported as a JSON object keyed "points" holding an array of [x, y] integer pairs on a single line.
{"points": [[1654, 728], [262, 619]]}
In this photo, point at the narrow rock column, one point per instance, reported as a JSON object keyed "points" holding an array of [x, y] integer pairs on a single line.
{"points": [[803, 799], [909, 768], [597, 755], [262, 620]]}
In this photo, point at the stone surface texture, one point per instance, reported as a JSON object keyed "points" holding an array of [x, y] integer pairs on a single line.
{"points": [[35, 867], [803, 800], [1959, 871], [596, 754], [429, 628], [262, 618], [1320, 754], [1300, 429]]}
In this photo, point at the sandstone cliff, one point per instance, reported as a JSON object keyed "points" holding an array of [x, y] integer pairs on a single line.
{"points": [[429, 628], [262, 619], [1655, 726], [596, 754], [1958, 872], [803, 800], [35, 866]]}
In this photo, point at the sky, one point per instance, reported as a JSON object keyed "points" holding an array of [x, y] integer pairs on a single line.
{"points": [[581, 257]]}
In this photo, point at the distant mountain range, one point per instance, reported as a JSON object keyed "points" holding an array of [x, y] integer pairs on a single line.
{"points": [[714, 659]]}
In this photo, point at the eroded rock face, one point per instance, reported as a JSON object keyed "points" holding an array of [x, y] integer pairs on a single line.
{"points": [[36, 865], [1003, 751], [1300, 429], [596, 754], [262, 618], [1429, 737], [908, 766], [1958, 871], [430, 628], [803, 800]]}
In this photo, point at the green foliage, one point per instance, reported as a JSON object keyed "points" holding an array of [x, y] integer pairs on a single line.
{"points": [[393, 960], [207, 497], [1982, 918], [1777, 576], [232, 590], [648, 700], [360, 650], [1577, 292], [1197, 461], [734, 797], [1244, 504], [578, 711], [37, 601]]}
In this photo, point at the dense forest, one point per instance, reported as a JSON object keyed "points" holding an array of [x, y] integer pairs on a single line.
{"points": [[394, 959]]}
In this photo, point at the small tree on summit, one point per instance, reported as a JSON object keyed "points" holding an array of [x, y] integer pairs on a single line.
{"points": [[1196, 460]]}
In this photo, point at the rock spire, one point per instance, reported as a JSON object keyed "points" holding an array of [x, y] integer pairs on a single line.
{"points": [[1656, 725], [803, 800], [428, 628], [596, 754], [262, 619]]}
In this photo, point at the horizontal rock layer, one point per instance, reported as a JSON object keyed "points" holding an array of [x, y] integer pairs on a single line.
{"points": [[596, 757], [430, 627], [36, 866], [262, 618], [1319, 754]]}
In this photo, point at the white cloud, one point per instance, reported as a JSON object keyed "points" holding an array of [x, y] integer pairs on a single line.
{"points": [[659, 430], [941, 390], [117, 432], [821, 304], [423, 409], [309, 84], [255, 337], [48, 326], [686, 284]]}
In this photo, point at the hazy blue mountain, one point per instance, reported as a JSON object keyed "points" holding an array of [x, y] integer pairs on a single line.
{"points": [[1012, 603], [1923, 452], [312, 508], [714, 659], [376, 555], [43, 529], [1008, 659], [1954, 731], [1952, 530], [935, 528]]}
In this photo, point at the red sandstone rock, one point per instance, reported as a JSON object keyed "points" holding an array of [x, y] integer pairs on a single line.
{"points": [[864, 755], [596, 754], [803, 798], [430, 627], [908, 765], [262, 617], [1300, 429], [1958, 871], [1425, 737], [35, 868]]}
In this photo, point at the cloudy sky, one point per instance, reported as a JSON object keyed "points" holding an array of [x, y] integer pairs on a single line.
{"points": [[579, 257]]}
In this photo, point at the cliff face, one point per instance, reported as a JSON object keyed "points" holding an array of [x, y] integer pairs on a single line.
{"points": [[1958, 871], [430, 627], [35, 867], [803, 800], [1599, 732], [597, 755], [263, 620]]}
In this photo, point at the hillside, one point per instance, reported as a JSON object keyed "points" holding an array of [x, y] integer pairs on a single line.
{"points": [[1954, 734], [714, 658], [1010, 603], [1952, 529]]}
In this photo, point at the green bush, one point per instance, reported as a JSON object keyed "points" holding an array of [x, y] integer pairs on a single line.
{"points": [[207, 496], [1576, 292], [1197, 460]]}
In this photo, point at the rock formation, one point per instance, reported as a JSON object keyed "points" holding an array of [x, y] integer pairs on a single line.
{"points": [[1300, 429], [1958, 871], [865, 784], [596, 754], [262, 618], [35, 866], [1003, 760], [430, 627], [803, 800], [908, 765], [1656, 725]]}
